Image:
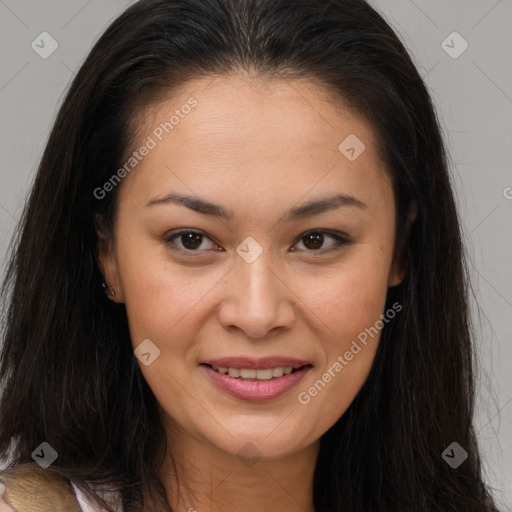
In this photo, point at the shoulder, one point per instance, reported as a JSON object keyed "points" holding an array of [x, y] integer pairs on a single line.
{"points": [[30, 488]]}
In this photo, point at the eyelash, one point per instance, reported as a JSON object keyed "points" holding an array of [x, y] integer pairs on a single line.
{"points": [[340, 238]]}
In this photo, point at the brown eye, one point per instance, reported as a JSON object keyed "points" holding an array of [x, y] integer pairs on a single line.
{"points": [[314, 240], [188, 241], [191, 240]]}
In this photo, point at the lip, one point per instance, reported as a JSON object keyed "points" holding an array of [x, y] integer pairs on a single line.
{"points": [[256, 390], [250, 363]]}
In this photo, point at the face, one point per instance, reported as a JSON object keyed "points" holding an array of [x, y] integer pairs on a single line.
{"points": [[245, 273]]}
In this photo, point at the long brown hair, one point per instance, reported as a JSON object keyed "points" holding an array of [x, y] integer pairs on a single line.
{"points": [[68, 373]]}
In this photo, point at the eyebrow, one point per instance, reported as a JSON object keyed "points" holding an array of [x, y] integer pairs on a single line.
{"points": [[314, 207]]}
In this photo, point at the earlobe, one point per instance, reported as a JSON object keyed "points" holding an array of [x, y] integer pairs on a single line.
{"points": [[397, 274], [107, 264]]}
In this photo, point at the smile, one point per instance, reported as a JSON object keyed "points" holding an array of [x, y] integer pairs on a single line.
{"points": [[255, 385], [252, 374]]}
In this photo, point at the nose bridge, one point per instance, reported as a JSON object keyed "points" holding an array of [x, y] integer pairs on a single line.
{"points": [[257, 276], [257, 298]]}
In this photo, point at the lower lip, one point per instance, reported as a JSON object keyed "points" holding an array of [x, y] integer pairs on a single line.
{"points": [[256, 390]]}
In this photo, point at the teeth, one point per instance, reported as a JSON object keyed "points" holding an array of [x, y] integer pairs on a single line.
{"points": [[277, 372], [245, 373], [248, 374], [233, 372]]}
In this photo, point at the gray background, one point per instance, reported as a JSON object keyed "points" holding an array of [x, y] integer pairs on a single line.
{"points": [[473, 95]]}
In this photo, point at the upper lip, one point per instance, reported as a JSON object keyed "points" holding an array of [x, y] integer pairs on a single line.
{"points": [[256, 364]]}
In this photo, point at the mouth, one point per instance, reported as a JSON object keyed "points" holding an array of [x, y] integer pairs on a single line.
{"points": [[252, 374], [256, 380]]}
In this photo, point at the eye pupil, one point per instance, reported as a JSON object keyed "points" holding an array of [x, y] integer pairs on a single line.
{"points": [[193, 238], [315, 238]]}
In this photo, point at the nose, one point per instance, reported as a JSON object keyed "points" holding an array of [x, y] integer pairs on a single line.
{"points": [[257, 300]]}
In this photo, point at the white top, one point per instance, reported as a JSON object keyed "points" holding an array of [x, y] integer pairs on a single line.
{"points": [[86, 505]]}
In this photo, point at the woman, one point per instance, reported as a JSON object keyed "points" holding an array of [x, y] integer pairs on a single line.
{"points": [[239, 281]]}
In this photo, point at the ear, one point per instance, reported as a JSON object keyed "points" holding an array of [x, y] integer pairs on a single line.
{"points": [[400, 266], [107, 260]]}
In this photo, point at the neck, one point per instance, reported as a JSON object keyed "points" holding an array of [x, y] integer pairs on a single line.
{"points": [[199, 477]]}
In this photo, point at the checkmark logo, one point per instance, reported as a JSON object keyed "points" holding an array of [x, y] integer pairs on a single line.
{"points": [[45, 455], [146, 352], [351, 147], [454, 455], [44, 45], [454, 45], [249, 455], [249, 250]]}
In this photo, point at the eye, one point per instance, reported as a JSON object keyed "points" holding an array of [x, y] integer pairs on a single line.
{"points": [[313, 240], [190, 240]]}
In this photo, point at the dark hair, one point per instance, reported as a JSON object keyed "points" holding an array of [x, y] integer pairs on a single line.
{"points": [[68, 373]]}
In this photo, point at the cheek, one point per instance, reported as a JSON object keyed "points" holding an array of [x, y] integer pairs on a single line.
{"points": [[159, 296], [162, 308], [351, 297], [350, 303]]}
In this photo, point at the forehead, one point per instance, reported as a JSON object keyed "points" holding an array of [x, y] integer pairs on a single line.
{"points": [[255, 132], [236, 108]]}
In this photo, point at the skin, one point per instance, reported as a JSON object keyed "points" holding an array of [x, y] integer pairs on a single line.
{"points": [[4, 506], [257, 148]]}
